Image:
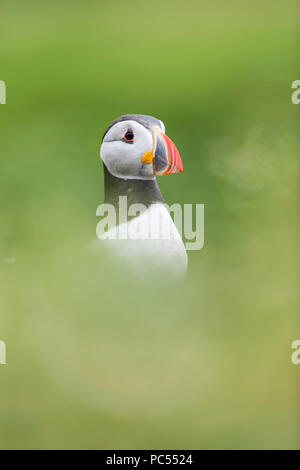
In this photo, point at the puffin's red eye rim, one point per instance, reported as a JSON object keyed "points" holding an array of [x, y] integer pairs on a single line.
{"points": [[128, 136]]}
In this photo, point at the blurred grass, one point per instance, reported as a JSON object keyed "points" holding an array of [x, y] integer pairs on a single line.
{"points": [[94, 362]]}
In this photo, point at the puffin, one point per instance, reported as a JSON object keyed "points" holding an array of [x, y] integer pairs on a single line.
{"points": [[135, 151]]}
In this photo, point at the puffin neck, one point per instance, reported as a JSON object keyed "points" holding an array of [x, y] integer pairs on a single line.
{"points": [[137, 191]]}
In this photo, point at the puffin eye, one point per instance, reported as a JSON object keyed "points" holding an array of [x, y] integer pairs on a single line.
{"points": [[128, 136]]}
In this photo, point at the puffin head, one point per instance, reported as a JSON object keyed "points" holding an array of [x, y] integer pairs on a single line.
{"points": [[135, 146]]}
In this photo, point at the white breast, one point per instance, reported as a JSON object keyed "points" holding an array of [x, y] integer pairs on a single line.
{"points": [[149, 243]]}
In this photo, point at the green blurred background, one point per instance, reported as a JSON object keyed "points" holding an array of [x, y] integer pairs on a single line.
{"points": [[94, 361]]}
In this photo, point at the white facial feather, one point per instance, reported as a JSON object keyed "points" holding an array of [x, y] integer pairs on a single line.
{"points": [[123, 159]]}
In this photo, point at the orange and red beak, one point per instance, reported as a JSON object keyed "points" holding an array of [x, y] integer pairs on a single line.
{"points": [[166, 158]]}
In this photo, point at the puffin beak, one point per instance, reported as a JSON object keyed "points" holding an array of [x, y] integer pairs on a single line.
{"points": [[166, 159]]}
